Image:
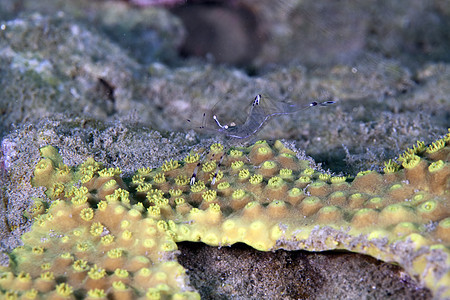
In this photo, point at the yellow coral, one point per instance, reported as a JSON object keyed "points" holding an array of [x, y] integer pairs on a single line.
{"points": [[436, 146], [267, 200], [216, 147], [209, 195], [390, 167], [170, 165]]}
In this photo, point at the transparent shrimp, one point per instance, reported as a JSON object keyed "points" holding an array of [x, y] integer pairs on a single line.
{"points": [[262, 109]]}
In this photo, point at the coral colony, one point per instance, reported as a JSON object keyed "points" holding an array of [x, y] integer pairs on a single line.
{"points": [[104, 237]]}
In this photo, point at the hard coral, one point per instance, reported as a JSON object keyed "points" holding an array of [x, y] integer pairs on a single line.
{"points": [[109, 239]]}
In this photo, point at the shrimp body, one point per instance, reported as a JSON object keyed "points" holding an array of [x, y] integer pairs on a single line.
{"points": [[261, 111]]}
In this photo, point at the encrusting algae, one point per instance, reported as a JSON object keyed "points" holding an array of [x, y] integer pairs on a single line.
{"points": [[107, 238]]}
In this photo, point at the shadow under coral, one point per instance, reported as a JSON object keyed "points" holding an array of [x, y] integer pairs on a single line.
{"points": [[240, 272]]}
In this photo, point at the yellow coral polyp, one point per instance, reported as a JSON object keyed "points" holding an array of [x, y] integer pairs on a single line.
{"points": [[411, 161], [159, 178], [263, 150], [82, 247], [37, 208], [209, 195], [275, 182], [338, 179], [436, 166], [238, 194], [404, 228], [127, 235], [209, 166], [172, 224], [47, 276], [295, 192], [144, 171], [24, 276], [87, 177], [324, 176], [436, 146], [269, 164], [304, 179], [256, 179], [96, 272], [37, 250], [109, 172], [244, 174], [136, 179], [162, 225], [115, 253], [125, 224], [276, 233], [155, 193], [44, 165], [192, 158], [121, 273], [119, 210], [169, 246], [79, 200], [179, 201], [445, 223], [161, 201], [214, 207], [96, 229], [87, 214], [223, 185], [362, 173], [308, 172], [112, 183], [58, 190], [181, 180], [96, 293], [31, 294], [170, 165], [446, 137], [119, 195], [67, 255], [236, 165], [64, 290], [40, 220], [154, 211], [236, 153], [135, 213], [144, 187], [101, 206], [218, 176], [376, 202], [390, 167], [11, 295], [153, 294], [285, 173], [119, 285], [198, 186], [419, 147], [216, 148], [175, 192], [149, 243]]}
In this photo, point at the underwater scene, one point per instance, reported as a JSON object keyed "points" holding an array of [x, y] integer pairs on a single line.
{"points": [[224, 149]]}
